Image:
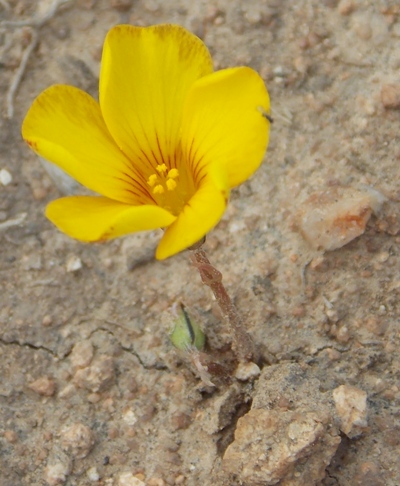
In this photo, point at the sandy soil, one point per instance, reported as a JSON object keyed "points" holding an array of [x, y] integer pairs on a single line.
{"points": [[92, 391]]}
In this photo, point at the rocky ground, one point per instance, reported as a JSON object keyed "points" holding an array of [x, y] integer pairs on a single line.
{"points": [[92, 392]]}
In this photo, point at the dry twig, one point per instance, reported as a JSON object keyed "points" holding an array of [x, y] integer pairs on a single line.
{"points": [[36, 22], [19, 74]]}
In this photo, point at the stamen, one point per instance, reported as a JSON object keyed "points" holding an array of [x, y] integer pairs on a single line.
{"points": [[173, 173], [158, 189], [161, 169], [171, 184], [152, 180]]}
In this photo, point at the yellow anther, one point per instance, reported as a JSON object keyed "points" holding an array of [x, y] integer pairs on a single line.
{"points": [[173, 173], [161, 169], [158, 189], [152, 180], [171, 184]]}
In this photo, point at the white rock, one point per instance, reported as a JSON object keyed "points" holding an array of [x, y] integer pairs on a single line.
{"points": [[129, 417], [93, 474], [74, 263], [351, 407], [247, 371], [128, 479], [5, 177], [56, 473]]}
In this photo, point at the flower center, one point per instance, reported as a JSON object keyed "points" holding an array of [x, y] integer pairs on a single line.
{"points": [[168, 188]]}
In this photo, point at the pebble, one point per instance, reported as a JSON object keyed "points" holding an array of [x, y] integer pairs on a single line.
{"points": [[128, 479], [351, 407], [74, 263], [247, 371], [77, 440], [68, 391], [5, 177], [47, 320], [57, 473], [331, 218], [82, 354], [129, 417], [390, 96], [93, 474], [98, 376], [44, 386]]}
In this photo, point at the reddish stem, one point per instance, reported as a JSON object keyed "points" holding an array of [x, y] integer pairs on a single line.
{"points": [[242, 342]]}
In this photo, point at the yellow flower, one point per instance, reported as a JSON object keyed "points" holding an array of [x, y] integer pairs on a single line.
{"points": [[163, 147]]}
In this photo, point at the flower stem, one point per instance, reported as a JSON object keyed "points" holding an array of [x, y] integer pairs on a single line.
{"points": [[243, 344]]}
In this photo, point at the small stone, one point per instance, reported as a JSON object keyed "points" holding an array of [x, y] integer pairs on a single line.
{"points": [[390, 96], [98, 376], [43, 386], [68, 391], [56, 473], [332, 218], [93, 474], [94, 397], [247, 371], [128, 479], [82, 354], [5, 177], [343, 335], [253, 16], [351, 407], [77, 440], [47, 320], [129, 417], [74, 263]]}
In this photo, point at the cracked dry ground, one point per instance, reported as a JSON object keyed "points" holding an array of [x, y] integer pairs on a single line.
{"points": [[91, 390]]}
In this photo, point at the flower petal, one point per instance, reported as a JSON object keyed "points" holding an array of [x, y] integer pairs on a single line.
{"points": [[198, 217], [224, 122], [65, 126], [146, 73], [91, 218]]}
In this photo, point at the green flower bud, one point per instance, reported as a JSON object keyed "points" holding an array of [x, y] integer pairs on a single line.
{"points": [[186, 334]]}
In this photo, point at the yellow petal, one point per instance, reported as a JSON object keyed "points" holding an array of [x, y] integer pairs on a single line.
{"points": [[146, 73], [198, 217], [91, 218], [65, 126], [224, 122]]}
